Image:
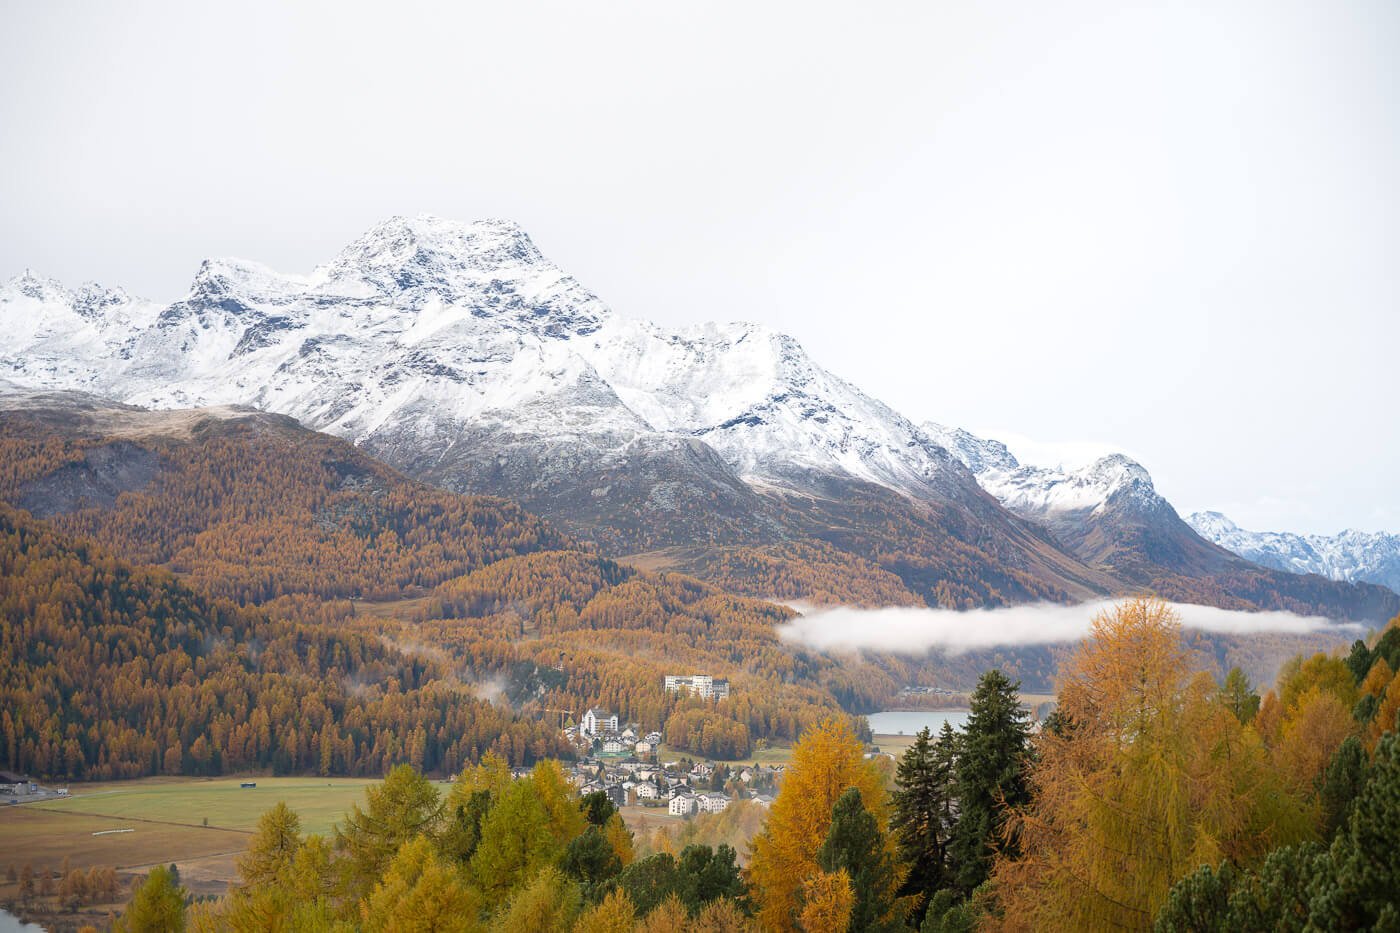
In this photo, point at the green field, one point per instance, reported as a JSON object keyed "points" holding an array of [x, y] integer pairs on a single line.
{"points": [[320, 802]]}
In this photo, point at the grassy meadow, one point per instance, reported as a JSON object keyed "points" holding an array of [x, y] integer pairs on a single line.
{"points": [[320, 802]]}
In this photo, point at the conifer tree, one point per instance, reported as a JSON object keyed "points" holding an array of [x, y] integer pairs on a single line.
{"points": [[1361, 891], [1276, 897], [590, 860], [402, 807], [990, 777], [421, 891], [620, 838], [516, 841], [649, 881], [827, 898], [705, 875], [461, 833], [597, 807], [1343, 781], [922, 810], [855, 845], [1239, 697], [613, 914], [826, 761], [550, 903], [1359, 660], [946, 913], [273, 848], [1200, 901]]}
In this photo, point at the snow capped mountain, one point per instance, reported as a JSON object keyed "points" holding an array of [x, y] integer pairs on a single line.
{"points": [[425, 332], [1048, 495], [1106, 513], [462, 356], [1352, 555]]}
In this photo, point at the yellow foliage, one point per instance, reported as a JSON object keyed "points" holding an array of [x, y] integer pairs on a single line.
{"points": [[827, 899], [1321, 671], [1377, 679], [722, 916], [420, 894], [560, 801], [491, 774], [1154, 777], [670, 916], [548, 904], [1385, 719], [614, 914], [825, 762], [1313, 730], [1268, 722], [619, 837]]}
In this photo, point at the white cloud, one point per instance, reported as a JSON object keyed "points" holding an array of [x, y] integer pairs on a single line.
{"points": [[1067, 455], [915, 631]]}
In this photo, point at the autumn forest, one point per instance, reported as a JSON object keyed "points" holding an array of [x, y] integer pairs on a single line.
{"points": [[233, 594]]}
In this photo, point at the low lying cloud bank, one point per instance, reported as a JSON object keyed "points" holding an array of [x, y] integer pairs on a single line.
{"points": [[915, 631]]}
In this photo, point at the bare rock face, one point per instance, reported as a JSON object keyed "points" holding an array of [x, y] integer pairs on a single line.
{"points": [[104, 473]]}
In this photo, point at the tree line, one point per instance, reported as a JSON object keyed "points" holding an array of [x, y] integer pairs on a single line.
{"points": [[1155, 797]]}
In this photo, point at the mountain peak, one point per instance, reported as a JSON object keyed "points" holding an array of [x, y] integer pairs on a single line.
{"points": [[1211, 524], [39, 287], [1117, 470], [427, 252]]}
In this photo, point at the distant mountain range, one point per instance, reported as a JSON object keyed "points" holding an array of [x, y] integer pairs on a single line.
{"points": [[1351, 555], [462, 356]]}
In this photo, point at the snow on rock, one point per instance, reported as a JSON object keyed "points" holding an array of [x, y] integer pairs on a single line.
{"points": [[1042, 493], [1372, 557], [425, 331]]}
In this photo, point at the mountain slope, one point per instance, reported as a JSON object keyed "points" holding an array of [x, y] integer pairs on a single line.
{"points": [[460, 355], [1109, 514], [1372, 557], [246, 504], [253, 506]]}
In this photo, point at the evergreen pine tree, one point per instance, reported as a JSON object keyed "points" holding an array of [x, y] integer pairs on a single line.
{"points": [[1361, 891], [649, 881], [922, 805], [462, 833], [1341, 783], [1200, 901], [1359, 661], [990, 777], [704, 875], [1238, 696], [855, 845], [1276, 897], [590, 859], [597, 807]]}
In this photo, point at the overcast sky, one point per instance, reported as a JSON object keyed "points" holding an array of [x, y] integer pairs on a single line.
{"points": [[1174, 232]]}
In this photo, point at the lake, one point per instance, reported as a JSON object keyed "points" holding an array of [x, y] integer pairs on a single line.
{"points": [[9, 923], [907, 722]]}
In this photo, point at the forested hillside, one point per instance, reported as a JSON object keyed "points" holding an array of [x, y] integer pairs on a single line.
{"points": [[249, 505], [306, 530], [293, 525], [118, 671]]}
